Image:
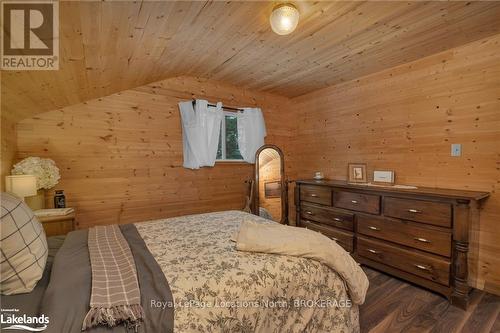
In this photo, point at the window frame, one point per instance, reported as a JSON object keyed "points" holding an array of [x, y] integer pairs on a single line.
{"points": [[223, 142]]}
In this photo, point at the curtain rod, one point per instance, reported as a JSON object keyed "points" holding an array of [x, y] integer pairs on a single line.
{"points": [[224, 107]]}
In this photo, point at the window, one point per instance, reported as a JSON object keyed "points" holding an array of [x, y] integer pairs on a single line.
{"points": [[228, 141]]}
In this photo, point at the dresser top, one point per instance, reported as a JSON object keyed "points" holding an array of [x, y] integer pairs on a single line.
{"points": [[435, 192]]}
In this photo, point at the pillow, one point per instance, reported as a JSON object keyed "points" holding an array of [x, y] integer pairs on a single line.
{"points": [[23, 247]]}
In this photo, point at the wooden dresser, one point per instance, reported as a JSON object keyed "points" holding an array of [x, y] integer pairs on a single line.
{"points": [[420, 235]]}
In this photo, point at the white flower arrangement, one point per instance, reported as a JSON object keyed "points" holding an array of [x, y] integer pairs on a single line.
{"points": [[45, 170]]}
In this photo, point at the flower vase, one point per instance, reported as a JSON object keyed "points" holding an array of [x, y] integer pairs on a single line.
{"points": [[37, 201]]}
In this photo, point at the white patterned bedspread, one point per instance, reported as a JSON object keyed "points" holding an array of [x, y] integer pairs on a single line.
{"points": [[218, 289]]}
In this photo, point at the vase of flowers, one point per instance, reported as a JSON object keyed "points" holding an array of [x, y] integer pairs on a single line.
{"points": [[47, 176]]}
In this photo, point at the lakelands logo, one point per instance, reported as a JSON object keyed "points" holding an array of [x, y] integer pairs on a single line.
{"points": [[11, 320], [30, 35]]}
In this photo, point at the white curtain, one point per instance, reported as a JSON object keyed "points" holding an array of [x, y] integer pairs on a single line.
{"points": [[200, 133], [251, 132]]}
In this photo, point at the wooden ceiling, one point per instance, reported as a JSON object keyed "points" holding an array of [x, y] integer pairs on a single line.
{"points": [[106, 47]]}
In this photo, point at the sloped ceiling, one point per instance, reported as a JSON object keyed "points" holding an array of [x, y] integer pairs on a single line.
{"points": [[107, 47]]}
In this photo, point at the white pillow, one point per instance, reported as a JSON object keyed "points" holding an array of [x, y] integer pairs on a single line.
{"points": [[23, 247]]}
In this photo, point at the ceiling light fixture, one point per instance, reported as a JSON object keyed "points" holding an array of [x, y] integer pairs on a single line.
{"points": [[284, 18]]}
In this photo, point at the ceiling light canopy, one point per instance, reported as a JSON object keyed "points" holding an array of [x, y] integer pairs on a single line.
{"points": [[284, 18]]}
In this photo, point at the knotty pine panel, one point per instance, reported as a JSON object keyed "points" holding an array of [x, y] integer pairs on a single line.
{"points": [[111, 46], [8, 148], [405, 119], [121, 156]]}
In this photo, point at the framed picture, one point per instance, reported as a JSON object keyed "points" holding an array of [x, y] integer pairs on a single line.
{"points": [[272, 189], [357, 173], [383, 177]]}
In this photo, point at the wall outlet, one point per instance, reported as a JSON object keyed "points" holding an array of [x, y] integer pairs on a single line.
{"points": [[456, 149]]}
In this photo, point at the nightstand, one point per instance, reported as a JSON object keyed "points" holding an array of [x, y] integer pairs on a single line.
{"points": [[58, 224]]}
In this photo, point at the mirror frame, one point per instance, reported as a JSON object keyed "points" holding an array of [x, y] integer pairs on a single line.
{"points": [[284, 184]]}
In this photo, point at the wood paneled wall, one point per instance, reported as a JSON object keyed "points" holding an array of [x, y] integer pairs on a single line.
{"points": [[8, 148], [405, 119], [121, 156]]}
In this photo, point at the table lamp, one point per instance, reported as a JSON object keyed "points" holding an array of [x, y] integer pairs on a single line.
{"points": [[21, 185]]}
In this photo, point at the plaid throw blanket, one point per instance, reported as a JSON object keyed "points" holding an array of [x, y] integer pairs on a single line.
{"points": [[115, 295]]}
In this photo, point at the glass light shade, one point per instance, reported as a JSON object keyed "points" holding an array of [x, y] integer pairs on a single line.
{"points": [[284, 19], [21, 185]]}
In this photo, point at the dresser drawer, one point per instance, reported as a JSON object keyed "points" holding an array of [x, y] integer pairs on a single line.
{"points": [[357, 201], [425, 266], [343, 238], [317, 194], [417, 236], [327, 216], [430, 212]]}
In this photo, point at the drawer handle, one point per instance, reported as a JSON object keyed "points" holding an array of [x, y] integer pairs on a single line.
{"points": [[374, 228], [308, 212], [354, 201], [373, 251], [423, 267], [411, 210], [337, 219], [423, 240], [314, 195], [335, 239]]}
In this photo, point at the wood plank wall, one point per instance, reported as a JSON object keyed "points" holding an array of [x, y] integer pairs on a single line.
{"points": [[121, 156], [405, 119], [8, 147]]}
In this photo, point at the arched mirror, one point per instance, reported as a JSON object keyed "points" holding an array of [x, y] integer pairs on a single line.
{"points": [[270, 193]]}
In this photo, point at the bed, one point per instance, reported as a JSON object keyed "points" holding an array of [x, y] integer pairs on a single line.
{"points": [[191, 262]]}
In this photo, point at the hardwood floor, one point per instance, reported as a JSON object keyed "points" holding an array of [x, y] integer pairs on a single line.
{"points": [[393, 305]]}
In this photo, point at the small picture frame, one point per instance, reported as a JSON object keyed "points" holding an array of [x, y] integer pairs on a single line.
{"points": [[357, 173], [272, 189], [383, 177]]}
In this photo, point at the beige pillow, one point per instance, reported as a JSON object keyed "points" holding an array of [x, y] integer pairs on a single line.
{"points": [[23, 247]]}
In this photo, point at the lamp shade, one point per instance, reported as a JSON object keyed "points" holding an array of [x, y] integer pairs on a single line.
{"points": [[21, 185], [284, 18]]}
